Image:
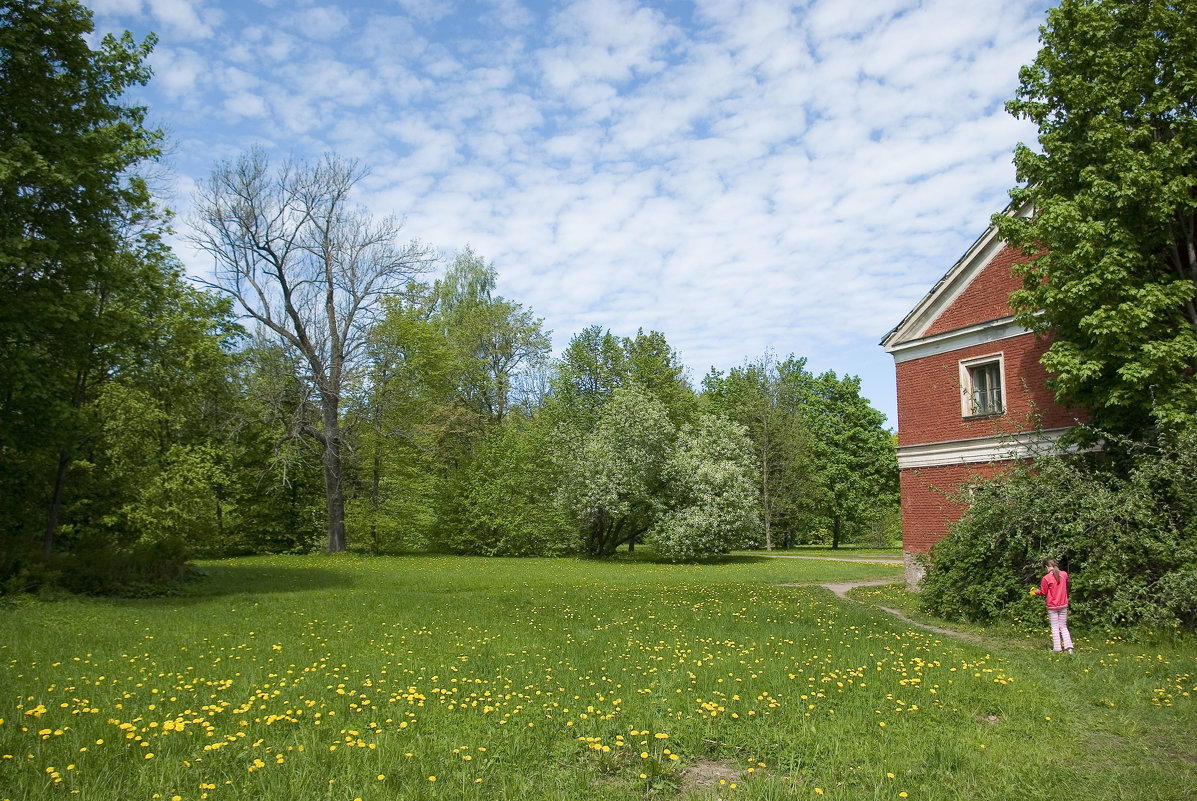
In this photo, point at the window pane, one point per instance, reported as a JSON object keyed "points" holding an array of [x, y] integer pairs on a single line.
{"points": [[986, 382]]}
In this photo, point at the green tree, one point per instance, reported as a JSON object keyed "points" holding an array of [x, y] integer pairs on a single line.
{"points": [[166, 416], [612, 473], [78, 233], [277, 472], [595, 368], [591, 368], [501, 502], [766, 396], [654, 366], [853, 457], [498, 338], [1113, 236], [411, 422]]}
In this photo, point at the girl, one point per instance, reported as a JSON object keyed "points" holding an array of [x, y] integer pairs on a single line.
{"points": [[1054, 589]]}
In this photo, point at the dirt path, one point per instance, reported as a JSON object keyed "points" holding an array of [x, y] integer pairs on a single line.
{"points": [[841, 588]]}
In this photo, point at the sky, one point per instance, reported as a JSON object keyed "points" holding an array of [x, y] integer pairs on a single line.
{"points": [[741, 176]]}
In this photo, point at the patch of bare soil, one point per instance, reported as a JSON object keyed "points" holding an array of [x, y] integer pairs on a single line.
{"points": [[704, 774]]}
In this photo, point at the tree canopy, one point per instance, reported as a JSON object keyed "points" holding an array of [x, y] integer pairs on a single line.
{"points": [[80, 245], [1113, 236]]}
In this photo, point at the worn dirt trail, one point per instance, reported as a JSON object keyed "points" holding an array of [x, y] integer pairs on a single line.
{"points": [[841, 588]]}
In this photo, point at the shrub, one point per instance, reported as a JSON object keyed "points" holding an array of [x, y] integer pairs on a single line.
{"points": [[1125, 527]]}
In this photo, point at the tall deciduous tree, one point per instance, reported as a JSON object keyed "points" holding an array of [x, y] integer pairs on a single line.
{"points": [[613, 473], [308, 265], [766, 396], [712, 502], [76, 230], [855, 462], [498, 338], [1114, 189]]}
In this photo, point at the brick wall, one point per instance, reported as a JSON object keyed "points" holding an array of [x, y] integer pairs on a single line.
{"points": [[929, 506], [929, 394]]}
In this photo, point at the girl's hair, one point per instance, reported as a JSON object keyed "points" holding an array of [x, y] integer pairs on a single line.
{"points": [[1055, 568]]}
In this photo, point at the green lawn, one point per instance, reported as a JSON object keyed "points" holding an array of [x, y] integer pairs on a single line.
{"points": [[430, 677]]}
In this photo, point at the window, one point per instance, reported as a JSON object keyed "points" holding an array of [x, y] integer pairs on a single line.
{"points": [[981, 386]]}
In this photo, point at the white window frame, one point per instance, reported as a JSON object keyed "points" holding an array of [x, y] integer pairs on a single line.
{"points": [[967, 366]]}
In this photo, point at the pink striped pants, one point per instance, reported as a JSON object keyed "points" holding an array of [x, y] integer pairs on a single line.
{"points": [[1061, 638]]}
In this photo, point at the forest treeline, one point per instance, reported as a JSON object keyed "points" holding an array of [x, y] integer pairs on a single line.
{"points": [[332, 385]]}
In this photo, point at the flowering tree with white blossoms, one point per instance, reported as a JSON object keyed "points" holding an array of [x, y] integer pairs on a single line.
{"points": [[613, 472], [713, 503]]}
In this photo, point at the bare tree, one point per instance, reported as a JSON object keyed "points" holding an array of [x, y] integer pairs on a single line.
{"points": [[309, 266]]}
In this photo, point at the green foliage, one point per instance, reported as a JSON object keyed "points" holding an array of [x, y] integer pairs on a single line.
{"points": [[496, 340], [501, 503], [828, 469], [1126, 531], [596, 363], [80, 243], [1114, 192], [713, 503], [767, 396], [853, 457]]}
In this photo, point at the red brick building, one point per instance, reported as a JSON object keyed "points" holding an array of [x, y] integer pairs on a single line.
{"points": [[971, 392]]}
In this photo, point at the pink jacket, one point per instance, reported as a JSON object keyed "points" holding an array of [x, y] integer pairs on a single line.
{"points": [[1056, 592]]}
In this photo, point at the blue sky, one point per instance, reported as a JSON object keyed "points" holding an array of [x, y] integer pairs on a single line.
{"points": [[737, 175]]}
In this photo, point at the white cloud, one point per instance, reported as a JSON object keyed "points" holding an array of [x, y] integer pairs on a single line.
{"points": [[754, 175], [182, 17], [320, 22], [245, 104], [427, 10], [179, 70]]}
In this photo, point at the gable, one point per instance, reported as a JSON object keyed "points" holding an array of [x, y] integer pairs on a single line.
{"points": [[985, 297], [973, 295]]}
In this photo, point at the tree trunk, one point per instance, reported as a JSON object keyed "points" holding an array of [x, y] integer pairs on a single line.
{"points": [[768, 513], [333, 490], [835, 532], [374, 499], [60, 476], [64, 461], [632, 542]]}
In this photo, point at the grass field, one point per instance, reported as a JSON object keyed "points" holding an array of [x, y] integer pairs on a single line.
{"points": [[428, 677]]}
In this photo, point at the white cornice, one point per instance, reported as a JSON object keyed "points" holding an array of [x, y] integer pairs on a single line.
{"points": [[980, 450], [979, 334]]}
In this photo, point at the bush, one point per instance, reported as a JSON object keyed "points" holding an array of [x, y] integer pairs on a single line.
{"points": [[1124, 526]]}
